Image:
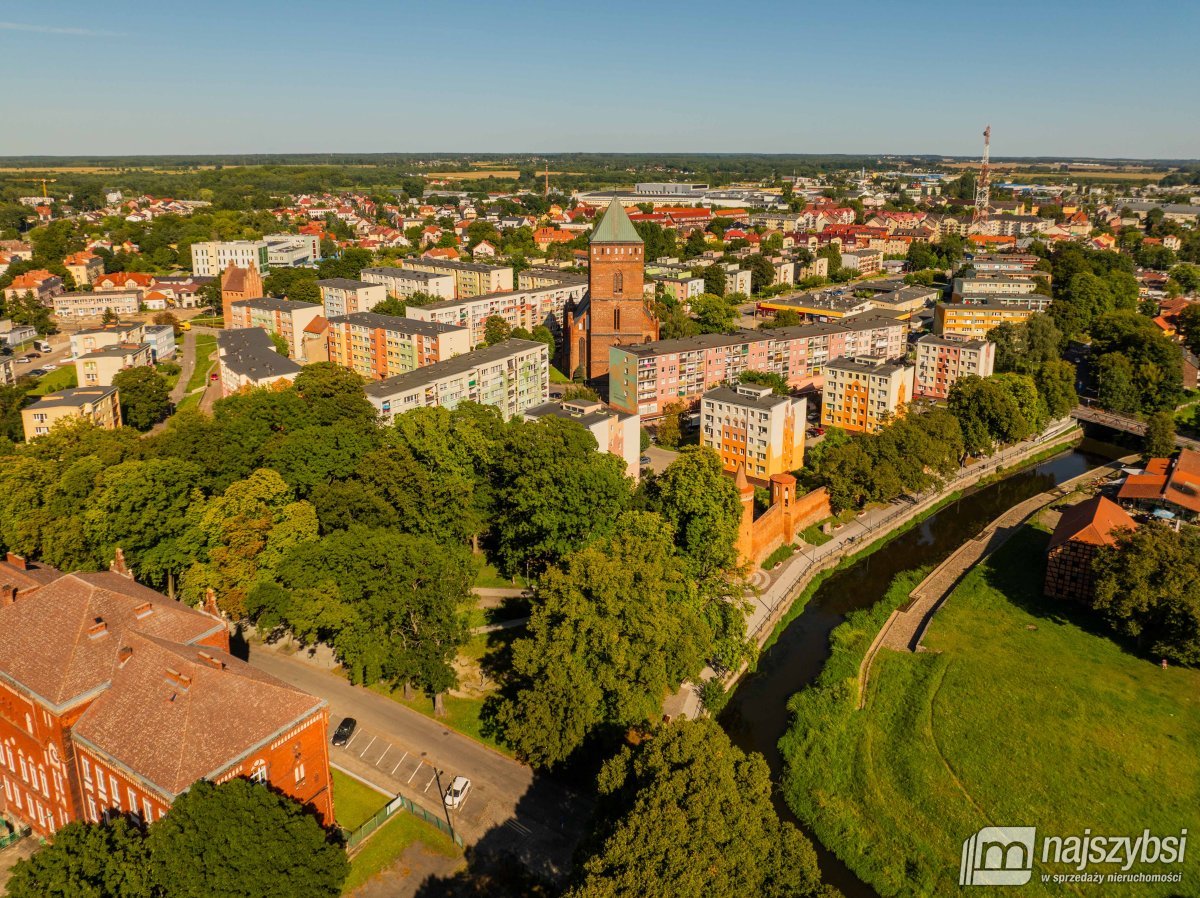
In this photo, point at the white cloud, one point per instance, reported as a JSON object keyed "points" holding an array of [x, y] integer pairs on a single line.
{"points": [[49, 29]]}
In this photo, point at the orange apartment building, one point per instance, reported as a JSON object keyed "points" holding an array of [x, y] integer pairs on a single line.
{"points": [[861, 394], [754, 430], [380, 346], [115, 699]]}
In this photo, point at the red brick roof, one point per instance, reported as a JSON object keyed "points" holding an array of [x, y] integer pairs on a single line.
{"points": [[31, 280], [1094, 521], [178, 713], [61, 640], [1183, 487]]}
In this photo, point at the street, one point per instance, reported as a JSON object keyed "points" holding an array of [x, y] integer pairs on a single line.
{"points": [[510, 808]]}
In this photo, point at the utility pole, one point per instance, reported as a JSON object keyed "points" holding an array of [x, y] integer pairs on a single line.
{"points": [[982, 191]]}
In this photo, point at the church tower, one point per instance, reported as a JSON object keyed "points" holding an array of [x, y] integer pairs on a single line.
{"points": [[617, 311]]}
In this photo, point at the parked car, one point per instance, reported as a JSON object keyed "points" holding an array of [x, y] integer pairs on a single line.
{"points": [[344, 731], [30, 356], [457, 793], [37, 372], [645, 459], [49, 367], [214, 377]]}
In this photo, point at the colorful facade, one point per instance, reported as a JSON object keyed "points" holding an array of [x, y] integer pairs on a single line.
{"points": [[861, 394], [941, 362], [754, 430], [379, 346]]}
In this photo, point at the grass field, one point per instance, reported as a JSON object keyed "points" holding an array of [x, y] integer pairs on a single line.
{"points": [[386, 846], [510, 173], [206, 347], [1019, 715], [58, 379], [354, 804]]}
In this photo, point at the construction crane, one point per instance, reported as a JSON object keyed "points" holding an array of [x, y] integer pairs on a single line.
{"points": [[42, 181], [982, 192], [547, 179]]}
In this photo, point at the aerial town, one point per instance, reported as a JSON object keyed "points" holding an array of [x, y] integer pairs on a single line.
{"points": [[598, 524]]}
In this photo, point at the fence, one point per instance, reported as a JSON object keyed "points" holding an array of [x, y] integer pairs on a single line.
{"points": [[354, 839], [11, 833]]}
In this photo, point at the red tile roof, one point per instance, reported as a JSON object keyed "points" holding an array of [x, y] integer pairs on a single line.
{"points": [[178, 713], [1183, 487], [1094, 521]]}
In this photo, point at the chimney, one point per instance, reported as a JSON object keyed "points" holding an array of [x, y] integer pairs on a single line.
{"points": [[175, 678], [98, 629], [210, 603], [124, 655], [215, 663], [8, 594], [118, 565], [143, 611], [17, 561]]}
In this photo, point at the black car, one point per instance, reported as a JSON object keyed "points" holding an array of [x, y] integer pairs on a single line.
{"points": [[344, 731]]}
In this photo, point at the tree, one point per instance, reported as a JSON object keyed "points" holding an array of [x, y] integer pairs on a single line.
{"points": [[543, 334], [1118, 393], [1147, 588], [762, 272], [1187, 276], [625, 590], [784, 318], [777, 382], [102, 860], [109, 317], [332, 393], [393, 305], [168, 318], [1189, 326], [243, 840], [145, 399], [280, 343], [702, 505], [1056, 385], [714, 279], [833, 254], [554, 492], [694, 245], [987, 413], [670, 427], [690, 814], [1160, 435], [496, 330], [713, 313]]}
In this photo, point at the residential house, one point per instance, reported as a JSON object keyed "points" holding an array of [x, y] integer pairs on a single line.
{"points": [[941, 361], [161, 340], [470, 278], [971, 320], [91, 339], [84, 267], [95, 303], [40, 283], [284, 317], [100, 405], [405, 282], [344, 296], [380, 346], [212, 257], [247, 359], [98, 367], [1169, 489]]}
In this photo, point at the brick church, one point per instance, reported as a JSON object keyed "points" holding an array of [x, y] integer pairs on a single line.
{"points": [[615, 311], [114, 699]]}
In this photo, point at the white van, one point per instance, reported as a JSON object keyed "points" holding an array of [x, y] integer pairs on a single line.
{"points": [[43, 346]]}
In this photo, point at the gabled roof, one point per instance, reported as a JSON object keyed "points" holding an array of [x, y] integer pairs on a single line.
{"points": [[176, 713], [1093, 521], [615, 226], [60, 641]]}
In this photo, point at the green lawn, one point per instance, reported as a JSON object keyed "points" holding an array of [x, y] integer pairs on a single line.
{"points": [[58, 379], [189, 401], [557, 377], [1018, 715], [386, 846], [487, 577], [354, 803], [206, 347], [814, 535]]}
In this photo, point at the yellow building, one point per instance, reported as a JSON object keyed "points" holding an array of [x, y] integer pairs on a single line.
{"points": [[861, 394], [470, 278], [100, 405], [973, 320], [752, 428], [98, 367]]}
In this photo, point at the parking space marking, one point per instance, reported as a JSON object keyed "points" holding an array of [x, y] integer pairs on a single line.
{"points": [[368, 748], [398, 763], [430, 783], [414, 773], [387, 747]]}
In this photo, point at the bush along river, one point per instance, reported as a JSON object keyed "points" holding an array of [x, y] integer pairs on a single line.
{"points": [[756, 715]]}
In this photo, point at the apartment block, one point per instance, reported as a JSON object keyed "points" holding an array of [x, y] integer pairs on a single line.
{"points": [[753, 429], [648, 377], [285, 317], [100, 405], [292, 250], [247, 359], [379, 346], [89, 340], [470, 278], [862, 393], [404, 282], [84, 267], [94, 305], [97, 368], [993, 285], [942, 361], [343, 296], [513, 376], [616, 432], [1006, 264], [864, 261], [973, 320], [519, 308], [211, 258], [161, 340]]}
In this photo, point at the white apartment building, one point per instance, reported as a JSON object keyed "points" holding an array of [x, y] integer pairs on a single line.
{"points": [[616, 432], [752, 428], [404, 282], [942, 361], [344, 296], [862, 393], [292, 250], [211, 258]]}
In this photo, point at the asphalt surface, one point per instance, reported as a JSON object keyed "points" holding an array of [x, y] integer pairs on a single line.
{"points": [[509, 810]]}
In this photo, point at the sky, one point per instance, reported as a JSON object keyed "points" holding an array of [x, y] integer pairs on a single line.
{"points": [[1053, 78]]}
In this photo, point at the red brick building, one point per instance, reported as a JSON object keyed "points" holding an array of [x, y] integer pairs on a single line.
{"points": [[615, 312], [238, 284], [115, 699], [1080, 533]]}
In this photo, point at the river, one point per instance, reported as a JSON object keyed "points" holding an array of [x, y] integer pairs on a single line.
{"points": [[756, 716]]}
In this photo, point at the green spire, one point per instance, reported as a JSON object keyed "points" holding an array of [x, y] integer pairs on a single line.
{"points": [[615, 227]]}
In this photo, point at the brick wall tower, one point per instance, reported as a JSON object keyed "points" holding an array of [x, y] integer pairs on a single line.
{"points": [[618, 315]]}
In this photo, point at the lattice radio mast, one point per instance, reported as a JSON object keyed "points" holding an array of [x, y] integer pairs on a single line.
{"points": [[982, 194]]}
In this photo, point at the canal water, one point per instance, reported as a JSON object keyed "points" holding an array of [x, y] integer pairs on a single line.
{"points": [[756, 716]]}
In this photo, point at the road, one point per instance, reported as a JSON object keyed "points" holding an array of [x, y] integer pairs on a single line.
{"points": [[510, 809]]}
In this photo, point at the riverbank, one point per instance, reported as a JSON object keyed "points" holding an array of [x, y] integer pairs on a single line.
{"points": [[1019, 713]]}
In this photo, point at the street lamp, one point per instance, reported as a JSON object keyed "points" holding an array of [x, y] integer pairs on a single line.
{"points": [[438, 775]]}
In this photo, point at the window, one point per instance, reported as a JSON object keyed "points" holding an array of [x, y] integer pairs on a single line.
{"points": [[299, 772], [618, 282], [616, 318], [258, 773]]}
